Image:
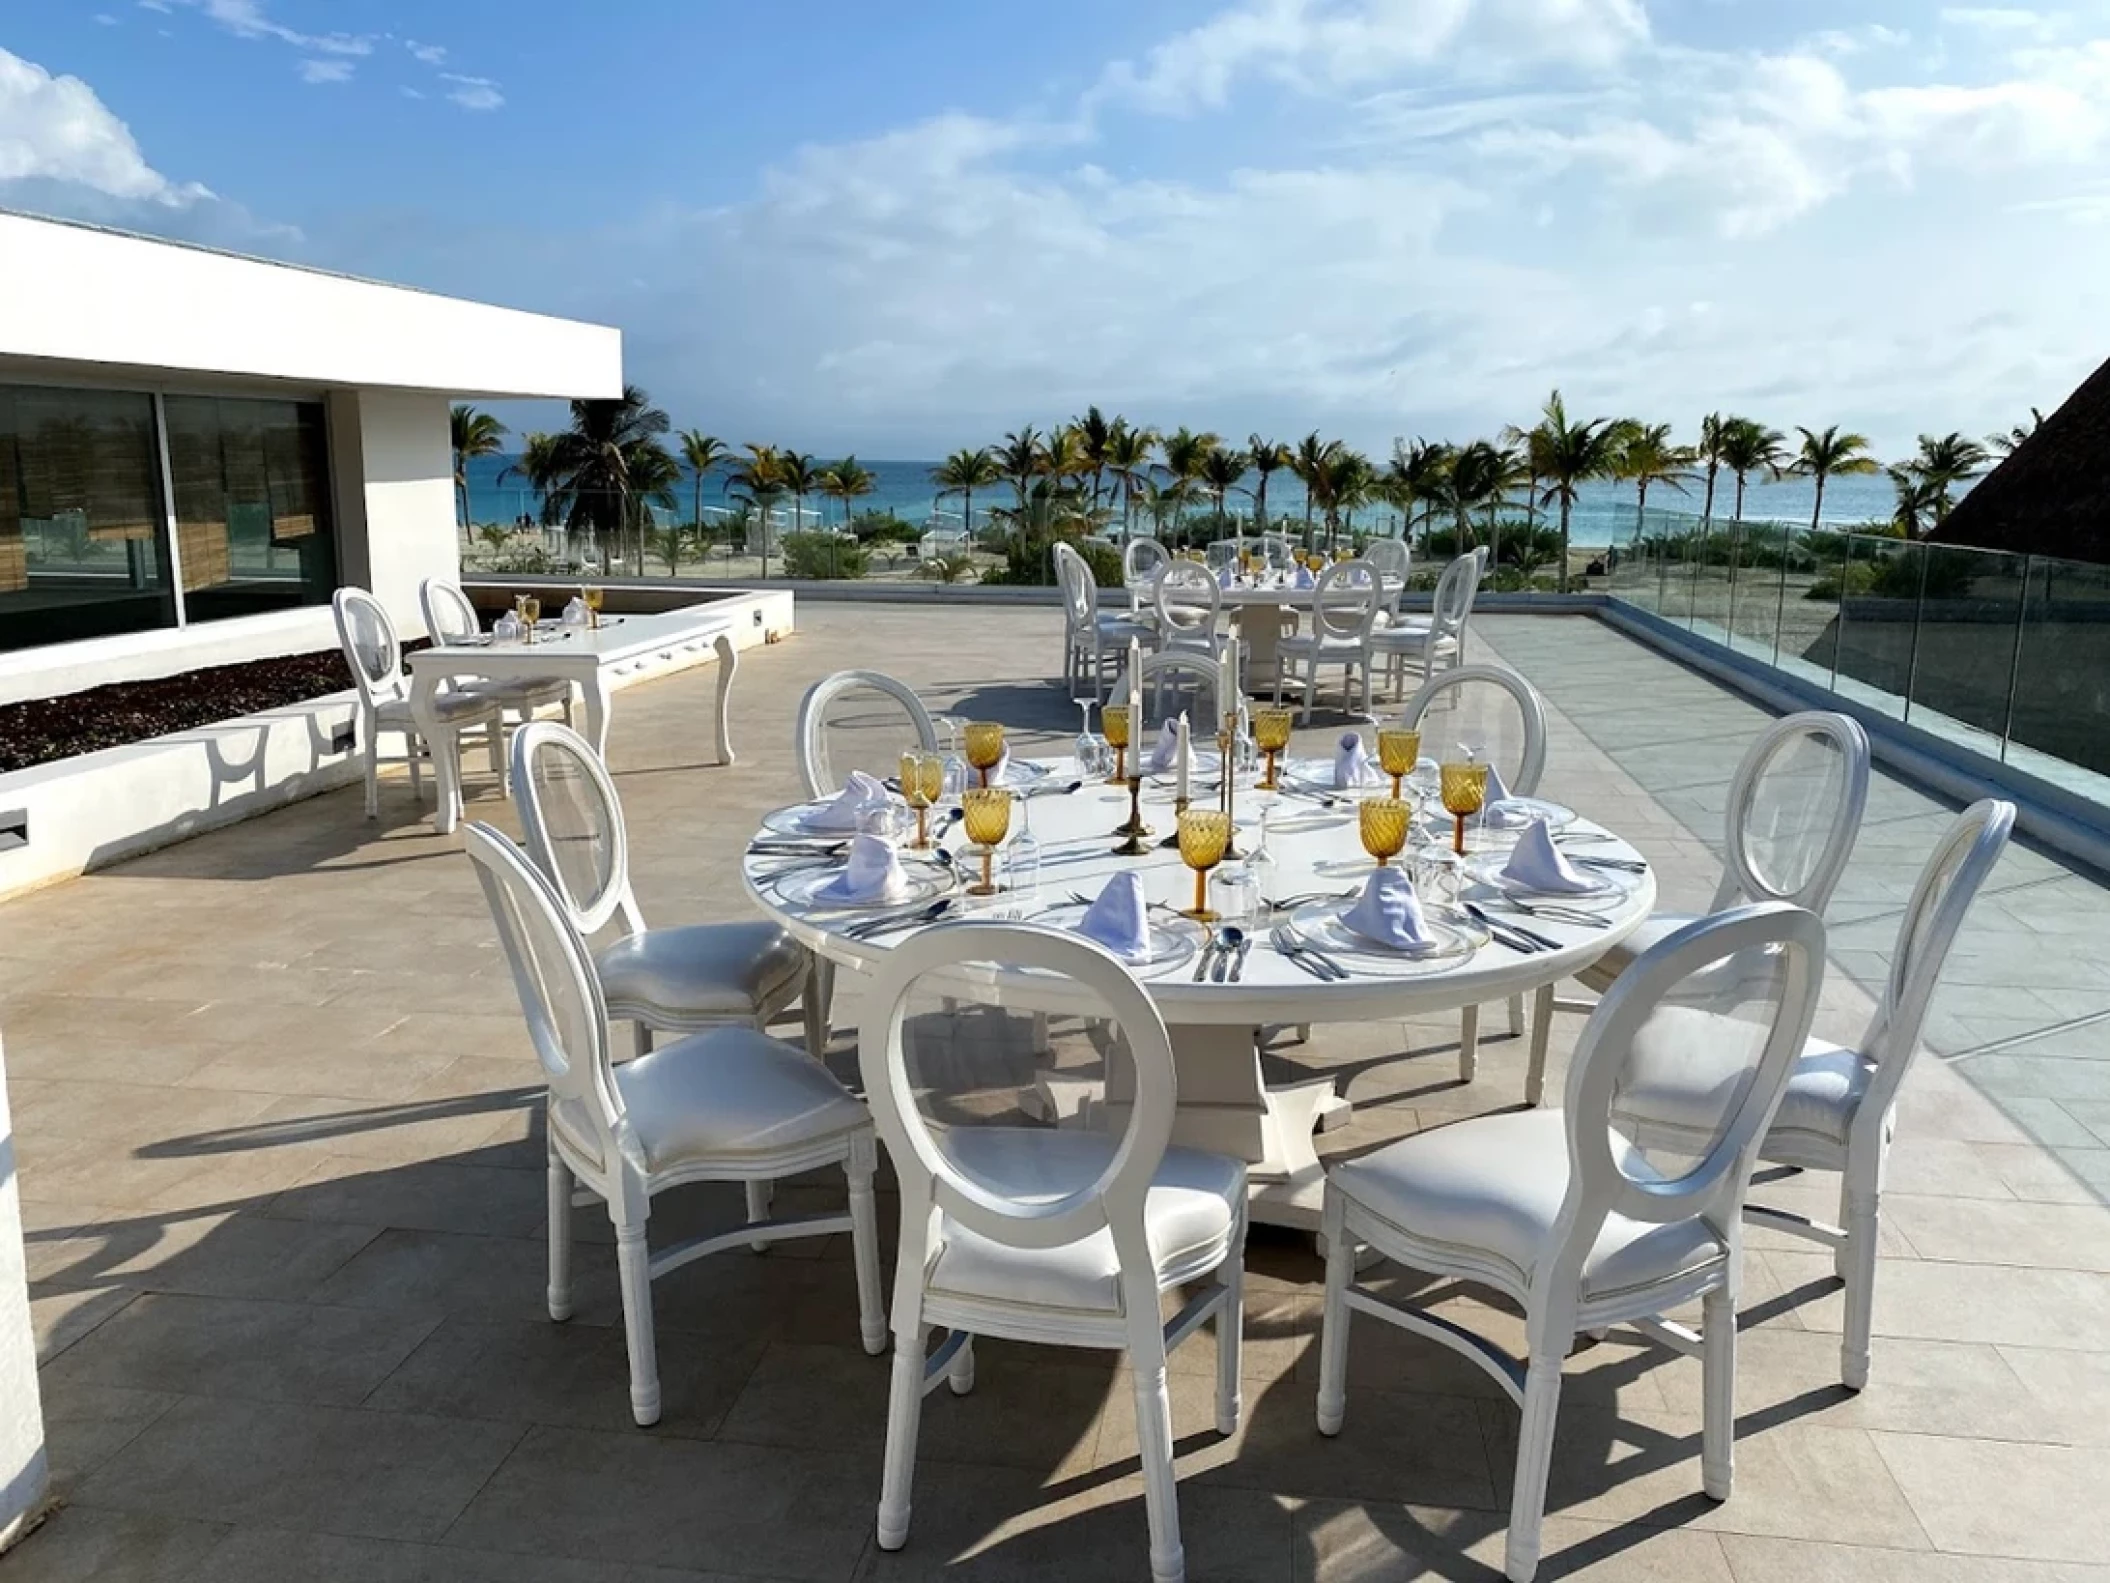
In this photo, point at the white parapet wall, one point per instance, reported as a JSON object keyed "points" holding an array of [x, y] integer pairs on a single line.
{"points": [[25, 1469], [83, 813]]}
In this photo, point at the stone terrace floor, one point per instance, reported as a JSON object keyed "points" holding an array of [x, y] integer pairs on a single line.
{"points": [[281, 1167]]}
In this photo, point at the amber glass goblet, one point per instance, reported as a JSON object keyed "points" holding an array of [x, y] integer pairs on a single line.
{"points": [[985, 747], [922, 784], [1205, 834], [1271, 728], [591, 596], [1398, 751], [1114, 721], [1464, 790], [1385, 821], [988, 821]]}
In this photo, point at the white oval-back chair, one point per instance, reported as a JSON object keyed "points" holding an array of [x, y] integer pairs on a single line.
{"points": [[1500, 717], [1059, 1237], [858, 720], [375, 655], [1344, 611], [1438, 643], [450, 617], [1140, 559], [729, 1105], [1840, 1111], [1795, 807], [1187, 600], [1092, 639], [1394, 560], [1575, 1221]]}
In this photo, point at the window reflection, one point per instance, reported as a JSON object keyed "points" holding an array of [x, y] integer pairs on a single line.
{"points": [[251, 486]]}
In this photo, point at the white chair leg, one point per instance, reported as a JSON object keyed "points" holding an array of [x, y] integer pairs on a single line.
{"points": [[1527, 1506], [758, 1196], [560, 1187], [1860, 1255], [1168, 1559], [1718, 1398], [495, 746], [1042, 1043], [904, 1416], [373, 774], [1333, 1325], [959, 1378], [1541, 1034], [634, 1268], [414, 751], [1468, 1044], [864, 1244], [818, 998], [1230, 1342], [1516, 1016]]}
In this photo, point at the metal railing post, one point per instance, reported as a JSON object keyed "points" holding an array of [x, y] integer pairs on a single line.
{"points": [[2014, 662]]}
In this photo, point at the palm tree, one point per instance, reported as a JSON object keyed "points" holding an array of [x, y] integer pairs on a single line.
{"points": [[2006, 443], [1646, 458], [1709, 451], [704, 454], [1420, 472], [605, 466], [801, 476], [846, 480], [1221, 471], [1917, 498], [1944, 461], [540, 458], [1128, 455], [1165, 501], [1476, 478], [1575, 452], [654, 476], [1747, 447], [1062, 455], [1530, 446], [760, 478], [1345, 480], [1268, 457], [962, 473], [472, 433], [1309, 461], [1184, 451], [1830, 455], [1094, 443], [1020, 459]]}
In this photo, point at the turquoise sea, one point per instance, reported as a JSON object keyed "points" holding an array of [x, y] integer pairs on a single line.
{"points": [[1604, 512]]}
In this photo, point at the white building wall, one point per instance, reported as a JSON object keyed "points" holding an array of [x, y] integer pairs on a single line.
{"points": [[25, 1471], [406, 497]]}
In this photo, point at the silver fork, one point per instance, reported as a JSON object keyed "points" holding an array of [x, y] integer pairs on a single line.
{"points": [[1201, 962]]}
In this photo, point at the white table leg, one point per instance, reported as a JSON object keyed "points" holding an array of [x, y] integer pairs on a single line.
{"points": [[1259, 630], [445, 747], [1226, 1107], [728, 667], [595, 689]]}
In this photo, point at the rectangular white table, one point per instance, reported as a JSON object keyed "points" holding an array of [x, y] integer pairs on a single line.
{"points": [[590, 657]]}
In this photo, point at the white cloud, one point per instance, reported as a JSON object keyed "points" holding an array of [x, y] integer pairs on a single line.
{"points": [[409, 92], [104, 19], [55, 129], [473, 93], [249, 19], [325, 71], [430, 54]]}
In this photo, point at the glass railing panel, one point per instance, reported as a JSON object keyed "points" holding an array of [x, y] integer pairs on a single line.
{"points": [[1807, 643], [1970, 610], [2061, 696], [1878, 583], [1709, 551], [1755, 589]]}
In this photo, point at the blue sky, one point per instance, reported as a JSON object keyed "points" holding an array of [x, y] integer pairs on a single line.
{"points": [[903, 228]]}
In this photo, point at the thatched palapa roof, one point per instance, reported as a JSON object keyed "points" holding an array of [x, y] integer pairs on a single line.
{"points": [[2052, 496]]}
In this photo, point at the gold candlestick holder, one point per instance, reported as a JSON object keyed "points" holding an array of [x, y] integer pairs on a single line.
{"points": [[1135, 829], [1179, 806], [1227, 796]]}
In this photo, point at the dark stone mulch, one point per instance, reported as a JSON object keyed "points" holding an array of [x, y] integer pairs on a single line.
{"points": [[38, 730]]}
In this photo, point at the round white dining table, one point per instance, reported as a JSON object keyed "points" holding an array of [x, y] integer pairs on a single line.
{"points": [[1225, 1103]]}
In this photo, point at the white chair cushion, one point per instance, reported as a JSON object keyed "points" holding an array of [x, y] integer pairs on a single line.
{"points": [[1122, 627], [705, 969], [451, 709], [1410, 640], [1823, 1092], [1654, 928], [731, 1093], [1303, 643], [1189, 1214], [528, 692], [1494, 1184]]}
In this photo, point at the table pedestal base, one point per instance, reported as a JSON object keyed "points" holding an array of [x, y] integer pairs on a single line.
{"points": [[1225, 1107]]}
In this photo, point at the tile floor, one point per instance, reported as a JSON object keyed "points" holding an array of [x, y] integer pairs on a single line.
{"points": [[281, 1166]]}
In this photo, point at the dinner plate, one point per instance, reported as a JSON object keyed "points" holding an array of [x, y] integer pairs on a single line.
{"points": [[800, 888], [1452, 938], [798, 820], [1171, 939], [1524, 810], [1487, 867]]}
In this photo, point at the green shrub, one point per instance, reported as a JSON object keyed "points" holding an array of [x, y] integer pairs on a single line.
{"points": [[1029, 562], [1846, 580], [822, 556], [883, 527]]}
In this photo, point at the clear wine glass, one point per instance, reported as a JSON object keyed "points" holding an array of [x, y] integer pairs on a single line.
{"points": [[1090, 756]]}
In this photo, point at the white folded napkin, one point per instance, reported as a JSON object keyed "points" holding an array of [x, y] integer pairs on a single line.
{"points": [[1389, 912], [1166, 752], [873, 873], [1305, 578], [1227, 578], [1000, 771], [1352, 766], [859, 796], [1538, 865], [1116, 919], [1498, 811]]}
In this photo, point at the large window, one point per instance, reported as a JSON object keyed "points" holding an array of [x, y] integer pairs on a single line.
{"points": [[85, 510], [81, 522]]}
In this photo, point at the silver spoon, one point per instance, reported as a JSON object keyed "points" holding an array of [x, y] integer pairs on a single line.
{"points": [[1230, 942]]}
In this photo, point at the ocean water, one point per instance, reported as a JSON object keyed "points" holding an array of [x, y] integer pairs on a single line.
{"points": [[1604, 513]]}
